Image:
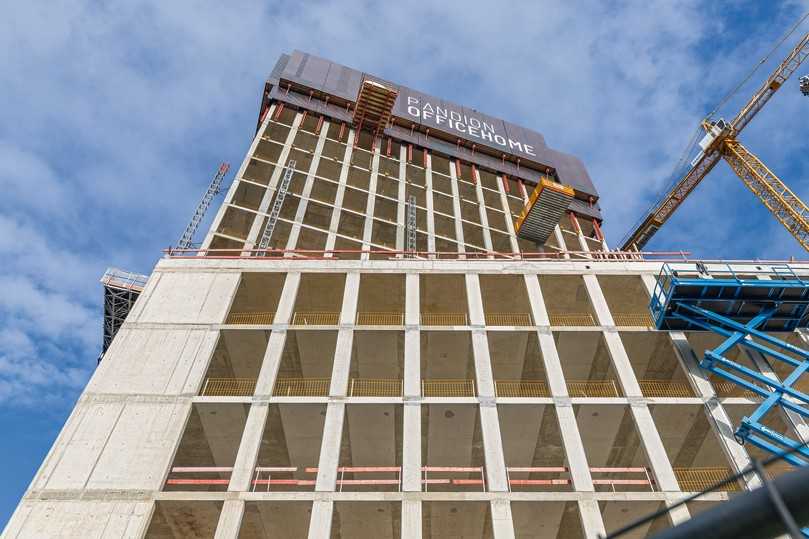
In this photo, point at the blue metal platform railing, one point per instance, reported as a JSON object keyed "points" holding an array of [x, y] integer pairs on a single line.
{"points": [[745, 311]]}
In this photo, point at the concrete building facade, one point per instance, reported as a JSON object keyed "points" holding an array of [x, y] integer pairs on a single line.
{"points": [[378, 377]]}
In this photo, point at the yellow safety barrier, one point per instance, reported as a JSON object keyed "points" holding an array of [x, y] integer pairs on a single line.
{"points": [[605, 388], [508, 319], [698, 479], [251, 318], [315, 319], [729, 389], [380, 319], [301, 387], [572, 319], [633, 319], [230, 387], [444, 319], [664, 388], [448, 388], [375, 387], [520, 388]]}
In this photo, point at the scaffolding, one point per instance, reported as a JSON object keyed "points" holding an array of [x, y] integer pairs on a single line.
{"points": [[276, 207], [744, 311], [121, 289]]}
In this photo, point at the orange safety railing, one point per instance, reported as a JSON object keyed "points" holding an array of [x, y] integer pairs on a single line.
{"points": [[444, 319], [645, 481], [263, 318], [446, 470], [382, 470], [508, 319], [521, 388], [572, 319], [447, 388], [665, 388], [641, 319], [518, 481], [228, 387], [699, 479], [301, 387], [601, 388], [267, 476], [315, 319], [375, 387], [380, 319], [222, 472]]}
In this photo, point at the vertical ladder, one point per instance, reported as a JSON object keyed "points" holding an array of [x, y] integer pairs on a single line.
{"points": [[283, 188], [186, 241], [411, 224]]}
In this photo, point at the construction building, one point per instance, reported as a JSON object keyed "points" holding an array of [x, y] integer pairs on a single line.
{"points": [[404, 322]]}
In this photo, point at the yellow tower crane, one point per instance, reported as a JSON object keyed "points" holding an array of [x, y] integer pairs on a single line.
{"points": [[720, 141]]}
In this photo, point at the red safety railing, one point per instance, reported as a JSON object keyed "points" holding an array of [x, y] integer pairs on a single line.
{"points": [[444, 470], [308, 254], [200, 470]]}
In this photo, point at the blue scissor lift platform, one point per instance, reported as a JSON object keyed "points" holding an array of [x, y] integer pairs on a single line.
{"points": [[745, 311]]}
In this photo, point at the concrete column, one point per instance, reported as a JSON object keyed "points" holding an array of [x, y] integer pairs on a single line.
{"points": [[341, 189], [591, 521], [411, 434], [493, 447], [248, 448], [400, 210], [230, 520], [320, 521], [330, 448], [502, 522], [263, 209], [411, 447], [515, 246], [411, 519], [428, 182], [217, 220], [678, 514], [557, 233], [345, 337], [571, 438], [275, 345], [369, 207], [456, 208], [484, 218], [307, 188]]}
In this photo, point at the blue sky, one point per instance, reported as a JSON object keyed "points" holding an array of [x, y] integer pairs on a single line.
{"points": [[115, 115]]}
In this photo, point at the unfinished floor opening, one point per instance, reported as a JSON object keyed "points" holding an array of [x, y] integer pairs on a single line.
{"points": [[616, 514], [517, 364], [366, 520], [615, 454], [319, 299], [256, 299], [306, 363], [627, 299], [377, 364], [290, 448], [447, 364], [381, 300], [371, 448], [207, 452], [567, 301], [505, 300], [275, 519], [546, 520], [184, 519], [235, 364], [655, 362], [532, 447], [451, 520], [442, 299], [586, 364], [452, 448]]}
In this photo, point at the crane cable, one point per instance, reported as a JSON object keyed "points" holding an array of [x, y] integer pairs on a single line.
{"points": [[759, 64]]}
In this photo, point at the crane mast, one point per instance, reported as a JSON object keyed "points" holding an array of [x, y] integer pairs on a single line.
{"points": [[721, 136]]}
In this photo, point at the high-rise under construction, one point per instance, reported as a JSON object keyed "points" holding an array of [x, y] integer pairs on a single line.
{"points": [[405, 322]]}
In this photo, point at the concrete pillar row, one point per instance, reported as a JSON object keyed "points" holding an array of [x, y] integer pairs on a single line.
{"points": [[369, 207], [341, 189], [263, 208], [292, 241]]}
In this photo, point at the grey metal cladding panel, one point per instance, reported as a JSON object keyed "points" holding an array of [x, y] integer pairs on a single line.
{"points": [[571, 171], [307, 69], [528, 136], [278, 69], [343, 82], [583, 208]]}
